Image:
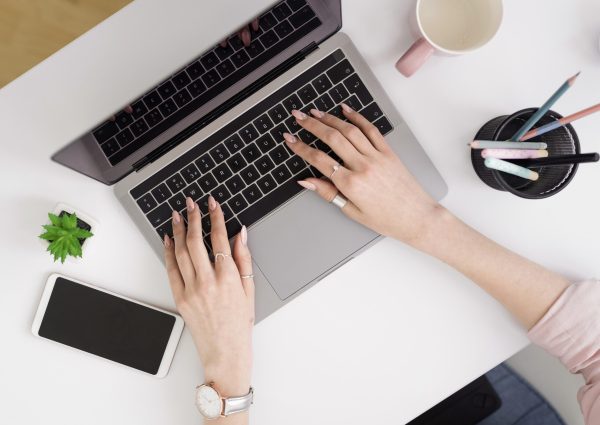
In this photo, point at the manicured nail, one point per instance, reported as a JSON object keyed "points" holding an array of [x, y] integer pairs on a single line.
{"points": [[167, 240], [346, 108], [244, 235], [307, 185], [176, 217], [212, 204], [290, 138], [317, 113], [300, 116], [190, 204], [246, 37]]}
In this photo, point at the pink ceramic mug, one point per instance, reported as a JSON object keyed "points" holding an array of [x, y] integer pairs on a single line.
{"points": [[452, 27]]}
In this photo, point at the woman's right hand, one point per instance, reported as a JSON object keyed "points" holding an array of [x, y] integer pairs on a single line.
{"points": [[382, 194]]}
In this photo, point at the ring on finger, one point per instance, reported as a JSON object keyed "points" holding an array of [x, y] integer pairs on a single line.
{"points": [[336, 168], [247, 276], [222, 255], [339, 201]]}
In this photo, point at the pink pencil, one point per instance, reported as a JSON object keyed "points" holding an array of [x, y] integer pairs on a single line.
{"points": [[514, 153], [560, 122]]}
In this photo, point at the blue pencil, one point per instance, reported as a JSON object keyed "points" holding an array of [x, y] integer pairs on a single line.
{"points": [[544, 108]]}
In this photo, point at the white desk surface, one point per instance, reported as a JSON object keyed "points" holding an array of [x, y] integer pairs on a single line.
{"points": [[379, 341]]}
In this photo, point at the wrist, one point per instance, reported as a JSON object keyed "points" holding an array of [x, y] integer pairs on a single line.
{"points": [[437, 223], [230, 380]]}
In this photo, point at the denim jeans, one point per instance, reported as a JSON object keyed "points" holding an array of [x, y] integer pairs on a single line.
{"points": [[521, 404]]}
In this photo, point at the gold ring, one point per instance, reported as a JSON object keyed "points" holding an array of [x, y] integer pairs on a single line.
{"points": [[247, 276], [336, 167], [221, 254]]}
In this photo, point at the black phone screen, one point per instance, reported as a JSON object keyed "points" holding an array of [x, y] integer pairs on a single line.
{"points": [[106, 325]]}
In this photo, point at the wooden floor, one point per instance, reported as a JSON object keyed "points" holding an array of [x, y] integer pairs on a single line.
{"points": [[31, 30]]}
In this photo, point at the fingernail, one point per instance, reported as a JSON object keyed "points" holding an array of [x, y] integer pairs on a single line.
{"points": [[307, 185], [301, 116], [167, 240], [346, 108], [289, 138], [176, 217], [212, 204], [190, 204], [244, 235], [317, 113]]}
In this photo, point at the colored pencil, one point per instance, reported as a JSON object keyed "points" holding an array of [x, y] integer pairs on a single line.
{"points": [[560, 122], [514, 153], [558, 160], [510, 168], [491, 144], [544, 108]]}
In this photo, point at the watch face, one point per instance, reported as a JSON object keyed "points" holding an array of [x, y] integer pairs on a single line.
{"points": [[209, 402]]}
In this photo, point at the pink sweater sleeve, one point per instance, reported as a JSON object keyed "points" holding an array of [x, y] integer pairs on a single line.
{"points": [[570, 330]]}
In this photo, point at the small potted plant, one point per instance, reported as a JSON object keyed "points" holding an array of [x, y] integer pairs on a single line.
{"points": [[68, 232]]}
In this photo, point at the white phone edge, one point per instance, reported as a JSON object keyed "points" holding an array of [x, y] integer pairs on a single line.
{"points": [[169, 353]]}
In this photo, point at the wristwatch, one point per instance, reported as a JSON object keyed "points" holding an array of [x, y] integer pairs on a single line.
{"points": [[212, 406]]}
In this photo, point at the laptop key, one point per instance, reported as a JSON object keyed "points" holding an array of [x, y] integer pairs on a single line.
{"points": [[206, 224], [152, 99], [279, 154], [203, 205], [340, 71], [195, 70], [295, 164], [249, 174], [324, 103], [267, 21], [292, 125], [109, 147], [383, 125], [219, 153], [124, 137], [123, 119], [222, 172], [165, 229], [236, 162], [306, 136], [190, 173], [224, 52], [235, 184], [108, 130], [177, 202], [353, 102], [233, 227], [211, 78], [193, 191], [355, 85], [167, 90], [225, 68], [269, 38], [266, 184], [239, 58], [282, 11], [196, 88], [307, 94], [255, 48], [139, 127], [339, 93], [205, 163], [221, 194], [167, 107], [250, 153], [292, 102], [138, 109], [153, 117], [372, 112], [281, 173], [283, 29], [252, 194], [161, 192], [264, 164], [182, 97], [278, 113], [176, 183], [234, 143], [181, 80], [296, 4], [159, 214], [337, 112], [277, 132], [209, 60], [302, 16], [263, 123], [265, 143], [322, 83], [248, 133], [207, 182], [237, 203]]}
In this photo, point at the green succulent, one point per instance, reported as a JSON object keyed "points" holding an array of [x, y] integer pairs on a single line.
{"points": [[64, 236]]}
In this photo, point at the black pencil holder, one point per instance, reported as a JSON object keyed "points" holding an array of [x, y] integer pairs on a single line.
{"points": [[561, 141]]}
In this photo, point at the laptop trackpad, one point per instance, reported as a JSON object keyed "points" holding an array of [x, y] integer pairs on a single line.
{"points": [[302, 241]]}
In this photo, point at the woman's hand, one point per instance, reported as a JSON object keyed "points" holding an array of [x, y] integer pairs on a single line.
{"points": [[381, 192], [216, 303]]}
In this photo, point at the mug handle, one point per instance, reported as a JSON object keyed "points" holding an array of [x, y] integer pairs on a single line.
{"points": [[414, 57]]}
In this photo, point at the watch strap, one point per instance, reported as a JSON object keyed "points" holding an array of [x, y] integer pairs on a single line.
{"points": [[233, 405]]}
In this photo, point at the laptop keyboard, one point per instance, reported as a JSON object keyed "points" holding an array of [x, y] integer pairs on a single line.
{"points": [[203, 79], [245, 166]]}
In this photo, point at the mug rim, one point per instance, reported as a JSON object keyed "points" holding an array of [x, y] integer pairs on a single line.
{"points": [[457, 52]]}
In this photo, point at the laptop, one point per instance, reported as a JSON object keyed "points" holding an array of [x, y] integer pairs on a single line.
{"points": [[215, 127]]}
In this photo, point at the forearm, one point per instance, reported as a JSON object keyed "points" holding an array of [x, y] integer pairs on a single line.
{"points": [[526, 289]]}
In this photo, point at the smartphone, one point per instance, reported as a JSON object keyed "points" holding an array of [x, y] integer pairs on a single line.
{"points": [[107, 325]]}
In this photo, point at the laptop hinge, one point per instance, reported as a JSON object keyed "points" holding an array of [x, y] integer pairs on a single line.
{"points": [[226, 106]]}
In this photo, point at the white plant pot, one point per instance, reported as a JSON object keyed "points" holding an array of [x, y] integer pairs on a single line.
{"points": [[82, 216]]}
